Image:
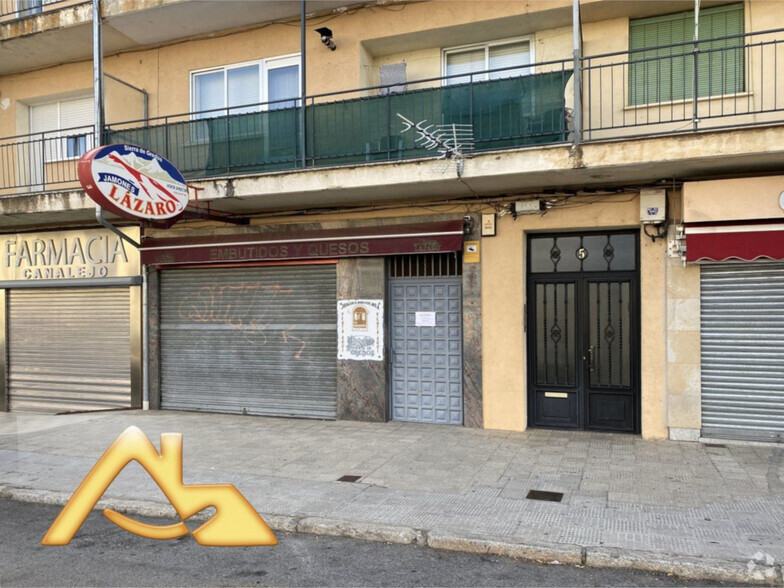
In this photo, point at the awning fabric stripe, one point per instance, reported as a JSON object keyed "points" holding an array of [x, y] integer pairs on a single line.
{"points": [[298, 245], [739, 241]]}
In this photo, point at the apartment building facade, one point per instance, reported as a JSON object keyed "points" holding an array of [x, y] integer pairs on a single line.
{"points": [[608, 257]]}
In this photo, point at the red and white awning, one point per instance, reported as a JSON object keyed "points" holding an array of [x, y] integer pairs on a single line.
{"points": [[744, 241]]}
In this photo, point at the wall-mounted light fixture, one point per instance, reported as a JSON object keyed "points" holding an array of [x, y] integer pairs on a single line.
{"points": [[5, 103], [326, 37]]}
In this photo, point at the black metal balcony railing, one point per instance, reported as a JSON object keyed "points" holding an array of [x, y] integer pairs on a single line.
{"points": [[358, 126], [26, 8], [40, 161], [730, 81], [734, 79]]}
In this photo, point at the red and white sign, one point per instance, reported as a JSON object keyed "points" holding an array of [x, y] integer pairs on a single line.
{"points": [[133, 182]]}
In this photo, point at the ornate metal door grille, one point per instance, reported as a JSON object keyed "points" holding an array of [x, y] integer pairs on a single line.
{"points": [[582, 323]]}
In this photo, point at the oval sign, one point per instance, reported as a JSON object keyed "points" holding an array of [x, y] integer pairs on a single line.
{"points": [[133, 182]]}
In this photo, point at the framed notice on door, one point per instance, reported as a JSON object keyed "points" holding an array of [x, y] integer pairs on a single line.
{"points": [[361, 330]]}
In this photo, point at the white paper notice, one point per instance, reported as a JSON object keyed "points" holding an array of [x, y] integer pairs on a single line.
{"points": [[425, 319]]}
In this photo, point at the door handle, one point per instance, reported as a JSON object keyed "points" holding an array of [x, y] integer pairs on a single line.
{"points": [[589, 358]]}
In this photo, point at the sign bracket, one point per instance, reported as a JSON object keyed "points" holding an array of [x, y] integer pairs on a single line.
{"points": [[99, 217], [209, 215]]}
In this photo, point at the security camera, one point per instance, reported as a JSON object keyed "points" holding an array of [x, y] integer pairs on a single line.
{"points": [[326, 37]]}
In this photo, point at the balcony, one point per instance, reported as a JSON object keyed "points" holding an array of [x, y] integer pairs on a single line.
{"points": [[343, 128], [357, 127], [17, 9], [524, 120], [721, 83]]}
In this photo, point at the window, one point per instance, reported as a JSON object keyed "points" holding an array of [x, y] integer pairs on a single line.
{"points": [[664, 74], [511, 55], [66, 127], [28, 7], [31, 7], [269, 84]]}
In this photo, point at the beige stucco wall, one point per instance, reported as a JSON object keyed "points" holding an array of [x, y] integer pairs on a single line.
{"points": [[503, 298], [421, 64], [735, 199], [367, 38]]}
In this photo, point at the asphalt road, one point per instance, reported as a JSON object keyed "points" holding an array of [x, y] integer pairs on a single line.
{"points": [[102, 554]]}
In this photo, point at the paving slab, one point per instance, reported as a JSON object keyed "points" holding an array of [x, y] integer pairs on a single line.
{"points": [[679, 507]]}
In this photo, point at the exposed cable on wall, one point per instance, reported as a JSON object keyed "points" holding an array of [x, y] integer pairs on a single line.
{"points": [[501, 204]]}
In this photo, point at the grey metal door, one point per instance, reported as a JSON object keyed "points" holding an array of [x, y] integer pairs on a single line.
{"points": [[426, 370], [742, 340], [69, 349], [255, 340]]}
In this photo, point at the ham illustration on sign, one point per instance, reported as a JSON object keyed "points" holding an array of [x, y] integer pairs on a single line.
{"points": [[133, 182]]}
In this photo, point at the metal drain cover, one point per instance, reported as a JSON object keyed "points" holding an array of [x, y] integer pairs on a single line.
{"points": [[349, 478], [716, 445], [545, 495]]}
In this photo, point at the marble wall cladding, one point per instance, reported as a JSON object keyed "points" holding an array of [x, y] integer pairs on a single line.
{"points": [[472, 336], [153, 338], [362, 385], [684, 410], [361, 277], [362, 391]]}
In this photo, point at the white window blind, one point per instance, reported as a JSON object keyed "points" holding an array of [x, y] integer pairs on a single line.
{"points": [[45, 117], [464, 62], [243, 88], [208, 92], [76, 113], [246, 88], [512, 55], [283, 83], [67, 127]]}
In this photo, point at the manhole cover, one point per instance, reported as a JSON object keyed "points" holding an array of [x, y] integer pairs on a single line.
{"points": [[349, 478]]}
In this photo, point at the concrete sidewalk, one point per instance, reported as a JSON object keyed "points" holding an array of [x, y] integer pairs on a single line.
{"points": [[684, 508]]}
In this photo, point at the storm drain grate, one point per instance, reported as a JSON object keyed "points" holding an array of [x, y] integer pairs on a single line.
{"points": [[716, 445], [545, 495], [349, 478]]}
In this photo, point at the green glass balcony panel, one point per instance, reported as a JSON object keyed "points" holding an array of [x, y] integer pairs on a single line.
{"points": [[506, 113]]}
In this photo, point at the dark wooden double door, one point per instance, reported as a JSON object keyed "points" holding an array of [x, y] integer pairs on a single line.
{"points": [[583, 332]]}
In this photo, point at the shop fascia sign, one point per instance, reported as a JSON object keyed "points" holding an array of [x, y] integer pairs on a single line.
{"points": [[79, 254], [133, 183]]}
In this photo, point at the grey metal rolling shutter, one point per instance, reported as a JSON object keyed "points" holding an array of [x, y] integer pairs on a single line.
{"points": [[69, 349], [743, 351], [258, 340]]}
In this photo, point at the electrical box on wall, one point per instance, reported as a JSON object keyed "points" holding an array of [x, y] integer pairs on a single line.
{"points": [[528, 207], [653, 206]]}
